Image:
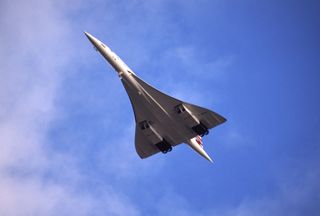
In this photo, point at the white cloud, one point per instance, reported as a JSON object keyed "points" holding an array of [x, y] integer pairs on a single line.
{"points": [[33, 196], [35, 56], [29, 80]]}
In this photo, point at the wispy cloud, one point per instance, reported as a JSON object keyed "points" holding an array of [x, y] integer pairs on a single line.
{"points": [[191, 75], [119, 158], [35, 179]]}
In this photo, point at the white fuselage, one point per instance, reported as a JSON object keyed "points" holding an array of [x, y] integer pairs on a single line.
{"points": [[114, 60]]}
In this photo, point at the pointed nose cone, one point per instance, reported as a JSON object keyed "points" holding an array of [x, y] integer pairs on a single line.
{"points": [[96, 43], [92, 39], [86, 33]]}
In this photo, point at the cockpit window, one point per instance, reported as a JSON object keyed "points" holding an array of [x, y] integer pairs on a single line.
{"points": [[103, 45]]}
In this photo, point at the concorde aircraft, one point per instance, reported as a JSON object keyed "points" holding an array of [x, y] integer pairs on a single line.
{"points": [[162, 122]]}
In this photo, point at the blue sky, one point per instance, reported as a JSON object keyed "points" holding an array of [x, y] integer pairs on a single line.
{"points": [[67, 127]]}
